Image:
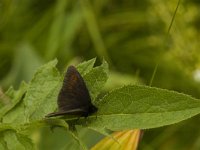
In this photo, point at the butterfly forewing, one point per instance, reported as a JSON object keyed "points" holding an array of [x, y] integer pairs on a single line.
{"points": [[74, 97], [73, 93]]}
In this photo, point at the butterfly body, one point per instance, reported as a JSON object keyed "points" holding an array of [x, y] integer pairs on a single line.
{"points": [[74, 98]]}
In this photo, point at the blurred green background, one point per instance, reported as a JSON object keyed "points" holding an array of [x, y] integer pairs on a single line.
{"points": [[132, 35]]}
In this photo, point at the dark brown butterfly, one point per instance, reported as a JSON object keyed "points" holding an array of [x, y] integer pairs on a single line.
{"points": [[74, 98]]}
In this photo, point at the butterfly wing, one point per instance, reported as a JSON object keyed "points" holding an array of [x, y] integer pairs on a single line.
{"points": [[77, 111], [74, 98], [74, 93]]}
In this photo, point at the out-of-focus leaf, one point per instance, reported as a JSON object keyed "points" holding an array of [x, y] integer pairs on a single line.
{"points": [[117, 79], [55, 30], [25, 63], [17, 141]]}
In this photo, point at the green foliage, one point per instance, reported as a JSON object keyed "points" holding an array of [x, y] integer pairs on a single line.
{"points": [[12, 98], [130, 35], [96, 79], [129, 107], [86, 66], [142, 107], [40, 96], [17, 141]]}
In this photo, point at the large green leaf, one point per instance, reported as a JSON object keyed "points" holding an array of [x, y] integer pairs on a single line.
{"points": [[143, 107]]}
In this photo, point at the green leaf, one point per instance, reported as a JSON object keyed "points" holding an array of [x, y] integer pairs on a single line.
{"points": [[57, 122], [2, 143], [128, 107], [143, 107], [2, 146], [42, 92], [6, 126], [96, 79], [25, 141], [17, 141], [12, 98], [86, 66], [78, 140], [15, 115]]}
